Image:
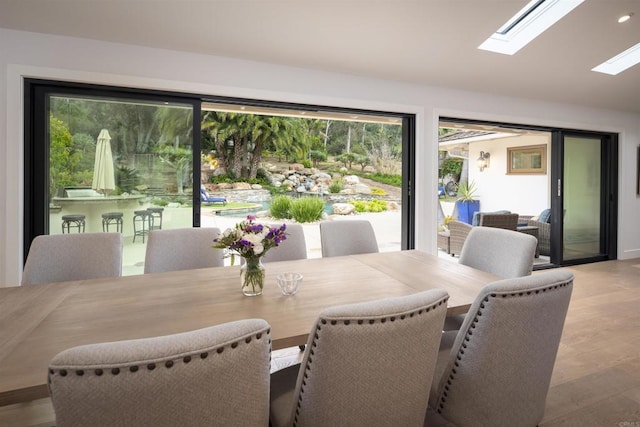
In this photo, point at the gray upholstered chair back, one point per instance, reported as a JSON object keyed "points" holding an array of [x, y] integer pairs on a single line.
{"points": [[294, 247], [500, 364], [182, 249], [347, 237], [504, 253], [65, 257], [213, 376], [366, 364]]}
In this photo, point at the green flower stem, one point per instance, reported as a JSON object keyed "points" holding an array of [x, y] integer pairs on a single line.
{"points": [[253, 275]]}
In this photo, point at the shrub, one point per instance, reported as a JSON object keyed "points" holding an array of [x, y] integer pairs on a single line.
{"points": [[378, 191], [159, 202], [280, 206], [307, 163], [336, 186], [317, 156], [384, 178], [306, 209], [374, 205]]}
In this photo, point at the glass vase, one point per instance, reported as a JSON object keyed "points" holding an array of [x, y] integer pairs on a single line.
{"points": [[252, 274]]}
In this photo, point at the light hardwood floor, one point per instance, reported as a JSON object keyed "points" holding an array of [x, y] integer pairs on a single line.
{"points": [[596, 380]]}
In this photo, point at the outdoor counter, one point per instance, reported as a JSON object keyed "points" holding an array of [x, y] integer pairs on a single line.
{"points": [[93, 208]]}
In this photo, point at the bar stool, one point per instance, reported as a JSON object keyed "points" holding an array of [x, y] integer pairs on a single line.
{"points": [[142, 223], [156, 218], [112, 218], [75, 221]]}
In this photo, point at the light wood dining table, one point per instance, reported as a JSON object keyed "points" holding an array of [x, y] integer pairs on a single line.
{"points": [[38, 321]]}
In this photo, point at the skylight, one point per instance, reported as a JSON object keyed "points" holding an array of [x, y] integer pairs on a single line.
{"points": [[621, 62], [535, 18]]}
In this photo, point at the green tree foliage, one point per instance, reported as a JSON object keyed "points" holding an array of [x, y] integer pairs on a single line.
{"points": [[63, 158], [178, 158], [347, 159], [240, 139], [363, 161], [450, 166], [317, 156]]}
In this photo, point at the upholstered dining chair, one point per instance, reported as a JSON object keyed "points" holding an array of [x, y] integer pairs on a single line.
{"points": [[365, 364], [213, 376], [347, 237], [505, 253], [294, 247], [182, 249], [496, 370], [64, 257]]}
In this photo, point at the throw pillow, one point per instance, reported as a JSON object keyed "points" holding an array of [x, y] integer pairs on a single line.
{"points": [[545, 216]]}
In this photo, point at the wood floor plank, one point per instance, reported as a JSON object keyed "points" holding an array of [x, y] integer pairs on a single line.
{"points": [[596, 378]]}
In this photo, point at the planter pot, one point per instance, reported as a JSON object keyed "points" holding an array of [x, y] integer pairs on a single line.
{"points": [[466, 209]]}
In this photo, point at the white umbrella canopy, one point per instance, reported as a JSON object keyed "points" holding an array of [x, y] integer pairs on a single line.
{"points": [[103, 172]]}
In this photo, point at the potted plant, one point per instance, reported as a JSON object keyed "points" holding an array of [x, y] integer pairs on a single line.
{"points": [[466, 205]]}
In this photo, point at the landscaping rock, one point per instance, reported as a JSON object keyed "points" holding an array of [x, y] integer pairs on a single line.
{"points": [[362, 189], [241, 186], [393, 206], [343, 208], [351, 180]]}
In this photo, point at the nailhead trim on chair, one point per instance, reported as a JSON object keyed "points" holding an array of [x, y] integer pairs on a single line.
{"points": [[348, 322], [167, 363], [467, 338]]}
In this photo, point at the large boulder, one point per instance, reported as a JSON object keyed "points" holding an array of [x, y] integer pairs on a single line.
{"points": [[351, 180], [362, 189], [343, 208], [241, 186]]}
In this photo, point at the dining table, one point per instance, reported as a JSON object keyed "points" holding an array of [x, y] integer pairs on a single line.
{"points": [[39, 321]]}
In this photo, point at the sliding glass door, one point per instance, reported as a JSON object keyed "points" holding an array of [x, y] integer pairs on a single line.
{"points": [[129, 160], [102, 160], [584, 198]]}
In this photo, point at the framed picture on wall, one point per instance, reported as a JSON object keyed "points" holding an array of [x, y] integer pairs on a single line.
{"points": [[527, 160]]}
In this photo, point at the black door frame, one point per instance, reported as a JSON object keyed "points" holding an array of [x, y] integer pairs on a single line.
{"points": [[608, 196]]}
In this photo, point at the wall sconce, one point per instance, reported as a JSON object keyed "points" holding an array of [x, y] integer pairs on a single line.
{"points": [[483, 160]]}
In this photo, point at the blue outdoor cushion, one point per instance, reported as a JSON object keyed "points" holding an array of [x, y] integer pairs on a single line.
{"points": [[545, 216], [476, 216]]}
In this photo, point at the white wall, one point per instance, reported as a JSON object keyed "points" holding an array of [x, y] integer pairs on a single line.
{"points": [[522, 194], [25, 54]]}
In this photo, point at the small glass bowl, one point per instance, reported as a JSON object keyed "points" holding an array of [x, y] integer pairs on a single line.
{"points": [[289, 282]]}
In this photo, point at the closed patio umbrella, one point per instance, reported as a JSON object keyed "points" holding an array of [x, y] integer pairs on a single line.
{"points": [[103, 172]]}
